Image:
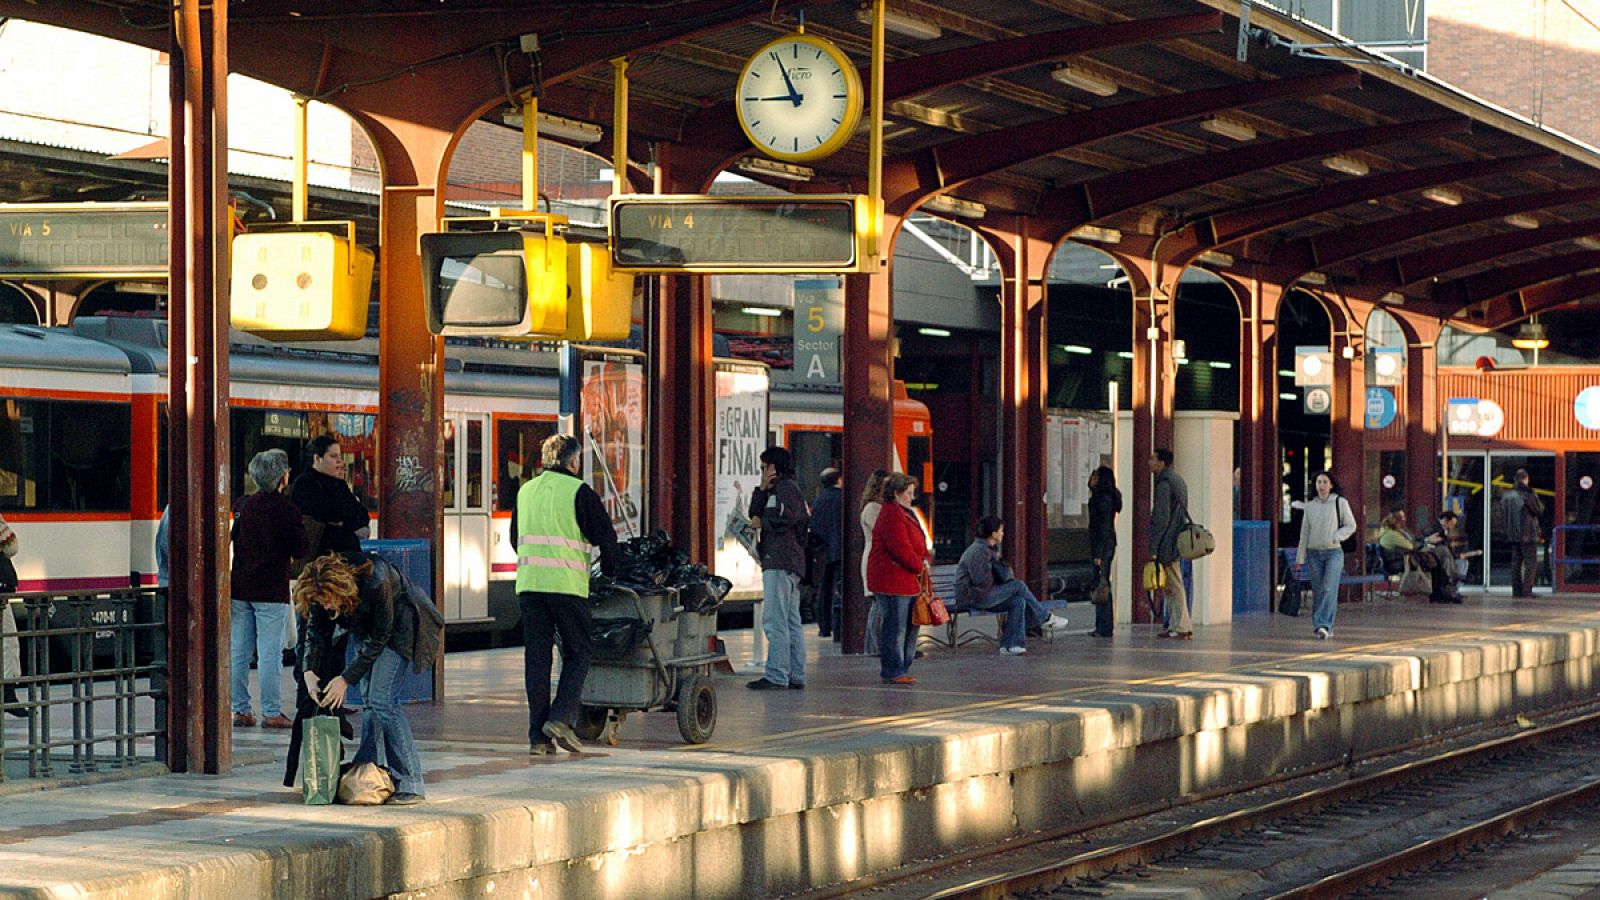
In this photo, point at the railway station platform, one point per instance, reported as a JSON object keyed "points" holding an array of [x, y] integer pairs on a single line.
{"points": [[800, 789]]}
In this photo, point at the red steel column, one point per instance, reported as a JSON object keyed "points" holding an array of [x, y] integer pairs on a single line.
{"points": [[867, 368], [1423, 415], [1152, 408], [198, 730], [1346, 427], [1024, 262], [681, 411]]}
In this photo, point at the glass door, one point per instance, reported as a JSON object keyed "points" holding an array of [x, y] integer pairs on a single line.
{"points": [[1542, 478], [1467, 499]]}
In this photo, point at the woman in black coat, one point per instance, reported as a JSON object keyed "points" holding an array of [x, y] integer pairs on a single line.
{"points": [[322, 495], [1105, 501]]}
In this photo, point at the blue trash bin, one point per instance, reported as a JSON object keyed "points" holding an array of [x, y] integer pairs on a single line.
{"points": [[414, 558], [1252, 567]]}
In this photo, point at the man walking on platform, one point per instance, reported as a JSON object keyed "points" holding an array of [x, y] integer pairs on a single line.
{"points": [[559, 520], [779, 512], [1169, 513], [1520, 509]]}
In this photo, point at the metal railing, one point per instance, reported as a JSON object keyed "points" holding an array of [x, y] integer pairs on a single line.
{"points": [[93, 688]]}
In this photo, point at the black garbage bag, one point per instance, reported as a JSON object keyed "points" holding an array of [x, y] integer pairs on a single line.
{"points": [[616, 639], [650, 563]]}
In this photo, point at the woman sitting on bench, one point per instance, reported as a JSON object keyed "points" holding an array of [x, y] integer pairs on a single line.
{"points": [[984, 581]]}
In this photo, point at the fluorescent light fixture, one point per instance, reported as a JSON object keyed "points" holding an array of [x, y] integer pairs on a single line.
{"points": [[1521, 220], [1287, 396], [955, 206], [773, 168], [1215, 258], [1098, 235], [934, 332], [1286, 373], [1314, 278], [1125, 354], [1531, 336], [1232, 129], [1393, 298], [767, 311], [559, 128], [1078, 348], [1180, 350], [1589, 242], [1349, 165], [900, 23], [1084, 80], [1443, 195], [1219, 364]]}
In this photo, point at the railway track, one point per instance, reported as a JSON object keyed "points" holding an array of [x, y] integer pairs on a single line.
{"points": [[1325, 841]]}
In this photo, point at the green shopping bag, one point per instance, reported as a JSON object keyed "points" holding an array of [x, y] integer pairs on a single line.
{"points": [[320, 751]]}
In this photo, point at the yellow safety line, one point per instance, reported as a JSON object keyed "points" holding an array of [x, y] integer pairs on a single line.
{"points": [[1167, 680]]}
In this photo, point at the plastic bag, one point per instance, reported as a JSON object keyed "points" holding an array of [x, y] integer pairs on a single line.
{"points": [[320, 752], [365, 784]]}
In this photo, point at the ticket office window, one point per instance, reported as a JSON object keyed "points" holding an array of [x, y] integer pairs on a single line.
{"points": [[65, 456], [516, 448]]}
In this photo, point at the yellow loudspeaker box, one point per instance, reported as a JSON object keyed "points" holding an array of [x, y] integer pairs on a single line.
{"points": [[300, 285], [599, 300]]}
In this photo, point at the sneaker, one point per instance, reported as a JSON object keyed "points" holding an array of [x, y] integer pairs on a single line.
{"points": [[762, 684], [900, 679], [1013, 651], [403, 799], [563, 735], [243, 720], [797, 685], [1178, 635], [1054, 623], [1322, 634], [278, 721], [542, 748]]}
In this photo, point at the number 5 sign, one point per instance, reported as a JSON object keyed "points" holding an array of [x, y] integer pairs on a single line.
{"points": [[818, 321]]}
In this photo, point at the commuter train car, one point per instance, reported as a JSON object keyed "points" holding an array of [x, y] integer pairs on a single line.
{"points": [[83, 446]]}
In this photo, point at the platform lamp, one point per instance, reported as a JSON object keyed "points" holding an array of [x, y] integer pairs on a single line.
{"points": [[1531, 336]]}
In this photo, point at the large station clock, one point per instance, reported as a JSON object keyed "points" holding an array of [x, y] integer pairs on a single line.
{"points": [[799, 98]]}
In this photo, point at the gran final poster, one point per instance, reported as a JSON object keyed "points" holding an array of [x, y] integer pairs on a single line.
{"points": [[612, 418], [741, 435]]}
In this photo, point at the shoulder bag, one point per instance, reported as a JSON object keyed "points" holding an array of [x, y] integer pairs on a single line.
{"points": [[1414, 580], [1352, 543], [928, 609], [1195, 541]]}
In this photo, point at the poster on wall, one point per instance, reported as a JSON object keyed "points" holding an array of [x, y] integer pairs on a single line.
{"points": [[612, 417], [1076, 443], [741, 435]]}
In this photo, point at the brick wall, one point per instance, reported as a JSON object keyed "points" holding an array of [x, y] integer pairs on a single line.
{"points": [[1538, 58]]}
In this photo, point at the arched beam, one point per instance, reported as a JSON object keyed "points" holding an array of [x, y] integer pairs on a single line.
{"points": [[1545, 297], [1398, 272], [1492, 286], [1112, 194], [910, 179]]}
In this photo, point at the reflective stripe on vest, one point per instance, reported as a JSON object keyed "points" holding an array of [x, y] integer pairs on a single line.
{"points": [[552, 554]]}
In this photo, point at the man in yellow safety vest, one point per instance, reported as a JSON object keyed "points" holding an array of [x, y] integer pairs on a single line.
{"points": [[559, 520]]}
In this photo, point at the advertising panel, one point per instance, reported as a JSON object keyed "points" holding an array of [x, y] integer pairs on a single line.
{"points": [[612, 417], [741, 435]]}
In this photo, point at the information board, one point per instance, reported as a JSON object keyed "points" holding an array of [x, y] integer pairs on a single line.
{"points": [[74, 240], [683, 233]]}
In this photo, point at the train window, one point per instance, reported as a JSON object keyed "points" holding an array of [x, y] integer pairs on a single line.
{"points": [[516, 447], [449, 463], [67, 456], [254, 430], [474, 484]]}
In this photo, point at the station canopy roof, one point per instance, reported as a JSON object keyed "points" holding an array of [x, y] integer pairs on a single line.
{"points": [[1333, 165]]}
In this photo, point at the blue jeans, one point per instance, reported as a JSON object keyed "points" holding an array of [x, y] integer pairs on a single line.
{"points": [[385, 732], [1021, 609], [258, 628], [780, 622], [1325, 567], [896, 638]]}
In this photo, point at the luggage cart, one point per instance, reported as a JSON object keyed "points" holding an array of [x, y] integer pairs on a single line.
{"points": [[654, 649]]}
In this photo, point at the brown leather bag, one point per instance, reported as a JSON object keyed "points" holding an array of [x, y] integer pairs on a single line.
{"points": [[928, 609]]}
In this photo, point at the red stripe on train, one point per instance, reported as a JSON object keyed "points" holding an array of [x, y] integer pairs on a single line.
{"points": [[64, 585]]}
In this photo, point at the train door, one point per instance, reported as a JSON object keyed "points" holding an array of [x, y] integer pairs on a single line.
{"points": [[466, 517]]}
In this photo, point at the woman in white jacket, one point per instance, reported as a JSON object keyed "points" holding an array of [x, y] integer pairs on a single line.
{"points": [[1327, 522], [10, 649]]}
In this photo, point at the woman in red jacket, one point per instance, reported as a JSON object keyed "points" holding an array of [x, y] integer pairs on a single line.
{"points": [[899, 552]]}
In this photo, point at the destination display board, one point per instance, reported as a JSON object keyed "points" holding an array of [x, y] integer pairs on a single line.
{"points": [[76, 240], [738, 235]]}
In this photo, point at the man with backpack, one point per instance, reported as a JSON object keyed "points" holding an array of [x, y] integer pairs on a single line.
{"points": [[778, 512]]}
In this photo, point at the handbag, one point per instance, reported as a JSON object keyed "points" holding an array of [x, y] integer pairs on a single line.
{"points": [[1414, 580], [928, 609], [320, 751], [365, 784], [1195, 541], [1153, 576], [1102, 591]]}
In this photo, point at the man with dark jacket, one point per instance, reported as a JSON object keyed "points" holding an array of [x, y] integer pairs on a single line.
{"points": [[559, 519], [1169, 513], [1520, 509], [779, 512], [827, 528], [322, 495]]}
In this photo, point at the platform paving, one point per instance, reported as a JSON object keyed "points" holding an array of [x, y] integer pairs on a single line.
{"points": [[799, 788]]}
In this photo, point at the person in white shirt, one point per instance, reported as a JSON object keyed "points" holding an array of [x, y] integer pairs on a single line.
{"points": [[1327, 522]]}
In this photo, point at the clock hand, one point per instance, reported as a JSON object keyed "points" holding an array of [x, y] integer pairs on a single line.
{"points": [[794, 95], [785, 97]]}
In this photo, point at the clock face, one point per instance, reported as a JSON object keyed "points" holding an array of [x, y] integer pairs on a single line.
{"points": [[799, 97]]}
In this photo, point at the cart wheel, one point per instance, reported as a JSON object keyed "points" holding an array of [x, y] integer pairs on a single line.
{"points": [[697, 708], [591, 721]]}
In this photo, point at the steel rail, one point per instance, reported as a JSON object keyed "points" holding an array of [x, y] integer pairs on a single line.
{"points": [[1147, 850]]}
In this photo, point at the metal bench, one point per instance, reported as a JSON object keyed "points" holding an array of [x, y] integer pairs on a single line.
{"points": [[1365, 580], [943, 579]]}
